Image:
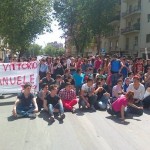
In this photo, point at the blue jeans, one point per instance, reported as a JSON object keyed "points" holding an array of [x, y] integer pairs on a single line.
{"points": [[114, 78], [102, 103], [92, 100], [24, 112], [78, 88], [57, 106]]}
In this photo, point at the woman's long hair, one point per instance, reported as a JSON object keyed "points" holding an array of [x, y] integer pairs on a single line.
{"points": [[129, 96]]}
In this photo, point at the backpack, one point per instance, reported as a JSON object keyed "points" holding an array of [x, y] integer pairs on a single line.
{"points": [[115, 65]]}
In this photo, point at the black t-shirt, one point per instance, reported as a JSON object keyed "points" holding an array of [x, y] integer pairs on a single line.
{"points": [[49, 82], [52, 100], [100, 94], [25, 102]]}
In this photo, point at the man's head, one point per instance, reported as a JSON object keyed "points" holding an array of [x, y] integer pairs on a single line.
{"points": [[53, 89], [45, 86], [58, 78], [48, 74], [89, 82], [27, 87], [68, 86]]}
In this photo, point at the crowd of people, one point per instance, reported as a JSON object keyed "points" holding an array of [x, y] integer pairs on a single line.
{"points": [[117, 84]]}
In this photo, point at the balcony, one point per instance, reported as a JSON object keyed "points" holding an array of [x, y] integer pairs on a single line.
{"points": [[132, 29], [115, 20], [113, 34], [134, 11]]}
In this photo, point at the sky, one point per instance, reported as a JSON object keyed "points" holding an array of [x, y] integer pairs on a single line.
{"points": [[51, 37]]}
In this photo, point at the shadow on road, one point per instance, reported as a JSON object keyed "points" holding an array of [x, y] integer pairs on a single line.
{"points": [[117, 120], [6, 103], [45, 116], [147, 111], [6, 96]]}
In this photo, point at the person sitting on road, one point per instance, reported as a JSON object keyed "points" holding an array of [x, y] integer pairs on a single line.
{"points": [[139, 91], [53, 103], [48, 79], [103, 96], [118, 107], [41, 95], [88, 97], [68, 97], [25, 105], [117, 90]]}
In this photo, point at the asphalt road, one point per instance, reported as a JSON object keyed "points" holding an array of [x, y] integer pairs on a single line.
{"points": [[80, 131]]}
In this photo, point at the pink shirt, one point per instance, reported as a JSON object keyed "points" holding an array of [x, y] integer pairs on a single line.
{"points": [[116, 105]]}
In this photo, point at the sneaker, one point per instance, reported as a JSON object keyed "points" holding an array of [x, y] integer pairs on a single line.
{"points": [[93, 108], [52, 119], [32, 115], [73, 110], [62, 116]]}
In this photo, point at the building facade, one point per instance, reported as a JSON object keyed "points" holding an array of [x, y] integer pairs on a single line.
{"points": [[131, 34]]}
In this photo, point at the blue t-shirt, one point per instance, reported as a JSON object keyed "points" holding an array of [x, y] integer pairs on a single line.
{"points": [[79, 79]]}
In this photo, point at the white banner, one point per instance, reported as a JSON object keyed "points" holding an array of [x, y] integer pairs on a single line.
{"points": [[14, 75]]}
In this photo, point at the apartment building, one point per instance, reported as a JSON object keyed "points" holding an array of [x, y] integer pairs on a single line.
{"points": [[131, 34]]}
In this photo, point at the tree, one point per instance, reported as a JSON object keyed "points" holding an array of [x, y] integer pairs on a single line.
{"points": [[84, 19], [99, 15], [22, 20], [53, 51], [34, 50], [71, 15]]}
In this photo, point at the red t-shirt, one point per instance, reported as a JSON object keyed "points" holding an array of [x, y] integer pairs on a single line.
{"points": [[116, 105], [97, 64]]}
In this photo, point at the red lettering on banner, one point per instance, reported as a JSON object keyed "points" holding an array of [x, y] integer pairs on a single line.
{"points": [[6, 66], [34, 65], [11, 82], [24, 79], [1, 82], [19, 81], [32, 78], [20, 66], [25, 66], [5, 80]]}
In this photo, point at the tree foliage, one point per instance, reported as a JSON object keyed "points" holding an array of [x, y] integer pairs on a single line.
{"points": [[84, 19], [53, 51], [22, 20], [72, 18]]}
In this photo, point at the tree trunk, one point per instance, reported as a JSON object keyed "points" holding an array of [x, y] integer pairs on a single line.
{"points": [[98, 41]]}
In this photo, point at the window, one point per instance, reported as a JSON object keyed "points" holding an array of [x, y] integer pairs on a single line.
{"points": [[148, 38], [148, 17], [136, 41]]}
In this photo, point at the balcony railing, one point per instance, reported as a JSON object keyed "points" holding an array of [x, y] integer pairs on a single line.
{"points": [[135, 10], [134, 28], [113, 34]]}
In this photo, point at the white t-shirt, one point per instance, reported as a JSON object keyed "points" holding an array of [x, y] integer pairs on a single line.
{"points": [[87, 89], [139, 93], [68, 63]]}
